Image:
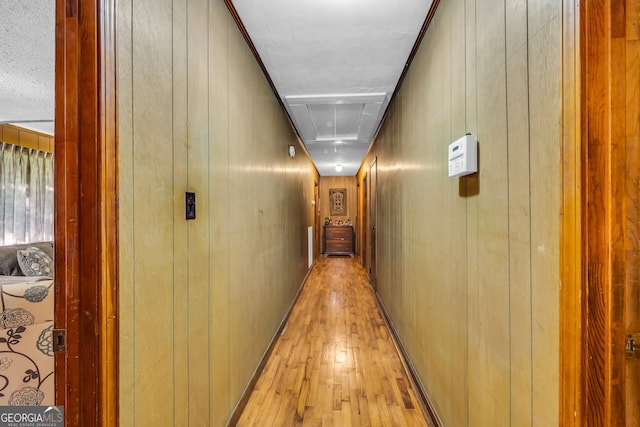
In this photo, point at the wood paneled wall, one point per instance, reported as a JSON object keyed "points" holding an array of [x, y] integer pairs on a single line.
{"points": [[329, 182], [468, 268], [26, 138], [200, 300]]}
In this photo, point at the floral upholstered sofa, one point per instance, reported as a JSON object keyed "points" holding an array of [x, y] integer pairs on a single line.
{"points": [[26, 323]]}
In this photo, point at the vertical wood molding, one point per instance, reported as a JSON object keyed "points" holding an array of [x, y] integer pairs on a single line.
{"points": [[571, 241], [108, 175], [595, 216], [597, 230], [594, 261], [631, 64], [66, 216], [616, 66], [85, 212], [604, 194]]}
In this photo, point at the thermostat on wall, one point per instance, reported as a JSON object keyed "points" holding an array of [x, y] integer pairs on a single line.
{"points": [[463, 156]]}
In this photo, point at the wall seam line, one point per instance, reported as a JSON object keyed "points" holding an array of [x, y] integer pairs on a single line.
{"points": [[133, 234], [187, 229], [208, 195], [173, 185], [530, 219], [506, 93], [229, 404]]}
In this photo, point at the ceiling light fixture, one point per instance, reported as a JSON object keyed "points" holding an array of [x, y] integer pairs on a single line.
{"points": [[338, 167], [343, 138]]}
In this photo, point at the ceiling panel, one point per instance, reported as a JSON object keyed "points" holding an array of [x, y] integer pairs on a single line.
{"points": [[336, 121]]}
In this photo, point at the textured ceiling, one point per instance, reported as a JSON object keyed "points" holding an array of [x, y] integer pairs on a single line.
{"points": [[27, 51], [335, 64]]}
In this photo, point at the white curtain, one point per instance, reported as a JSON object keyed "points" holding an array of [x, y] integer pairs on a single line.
{"points": [[26, 195]]}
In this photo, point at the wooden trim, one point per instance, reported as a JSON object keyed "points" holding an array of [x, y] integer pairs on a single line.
{"points": [[109, 317], [28, 138], [85, 211], [596, 226], [246, 394], [595, 216], [604, 225], [571, 237], [65, 221]]}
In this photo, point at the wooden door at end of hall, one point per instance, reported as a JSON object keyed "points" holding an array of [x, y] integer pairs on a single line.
{"points": [[373, 223]]}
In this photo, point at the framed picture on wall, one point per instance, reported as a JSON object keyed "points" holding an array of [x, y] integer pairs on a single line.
{"points": [[337, 201]]}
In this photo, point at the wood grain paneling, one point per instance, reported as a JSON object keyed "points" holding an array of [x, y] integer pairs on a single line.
{"points": [[201, 299], [570, 238], [109, 184], [152, 93], [609, 134], [180, 126], [457, 378], [485, 327], [220, 402], [596, 182], [521, 315], [628, 118], [126, 294], [632, 203], [545, 192], [329, 182], [198, 232], [489, 334]]}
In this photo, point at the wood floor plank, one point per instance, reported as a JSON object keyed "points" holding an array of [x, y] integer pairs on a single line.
{"points": [[335, 362]]}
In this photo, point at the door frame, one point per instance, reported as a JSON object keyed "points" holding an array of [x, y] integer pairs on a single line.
{"points": [[365, 223], [593, 263], [316, 221], [372, 263], [570, 374], [86, 225]]}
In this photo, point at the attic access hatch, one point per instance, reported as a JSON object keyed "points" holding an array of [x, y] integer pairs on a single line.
{"points": [[337, 128]]}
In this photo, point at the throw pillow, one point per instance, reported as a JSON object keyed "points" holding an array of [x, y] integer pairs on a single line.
{"points": [[35, 262]]}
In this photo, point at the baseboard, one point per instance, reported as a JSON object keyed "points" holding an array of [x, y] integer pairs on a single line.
{"points": [[246, 394], [423, 398]]}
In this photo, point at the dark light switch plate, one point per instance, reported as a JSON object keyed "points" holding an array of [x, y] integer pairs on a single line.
{"points": [[190, 199]]}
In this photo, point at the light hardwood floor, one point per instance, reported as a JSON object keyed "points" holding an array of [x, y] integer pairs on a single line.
{"points": [[335, 363]]}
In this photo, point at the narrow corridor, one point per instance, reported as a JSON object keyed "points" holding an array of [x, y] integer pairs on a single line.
{"points": [[335, 362]]}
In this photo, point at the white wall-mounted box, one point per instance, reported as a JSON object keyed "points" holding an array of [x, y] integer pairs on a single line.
{"points": [[463, 156]]}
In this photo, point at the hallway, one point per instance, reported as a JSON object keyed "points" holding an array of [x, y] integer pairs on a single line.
{"points": [[335, 362]]}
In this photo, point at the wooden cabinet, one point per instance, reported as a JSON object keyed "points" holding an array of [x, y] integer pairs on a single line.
{"points": [[338, 240]]}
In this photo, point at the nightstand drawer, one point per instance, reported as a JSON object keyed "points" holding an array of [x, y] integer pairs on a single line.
{"points": [[338, 240]]}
